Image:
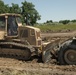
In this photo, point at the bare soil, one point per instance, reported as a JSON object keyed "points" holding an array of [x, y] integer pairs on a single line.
{"points": [[10, 66], [61, 34], [16, 67]]}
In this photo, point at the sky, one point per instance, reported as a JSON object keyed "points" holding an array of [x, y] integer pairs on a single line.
{"points": [[55, 10]]}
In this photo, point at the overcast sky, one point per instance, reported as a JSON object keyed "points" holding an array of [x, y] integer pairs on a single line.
{"points": [[51, 9]]}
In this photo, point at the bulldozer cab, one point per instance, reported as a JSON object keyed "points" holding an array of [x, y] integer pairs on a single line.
{"points": [[9, 25], [11, 28]]}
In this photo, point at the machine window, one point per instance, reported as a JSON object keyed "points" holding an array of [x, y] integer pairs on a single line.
{"points": [[2, 22], [32, 32], [38, 34], [12, 26], [24, 33], [18, 19]]}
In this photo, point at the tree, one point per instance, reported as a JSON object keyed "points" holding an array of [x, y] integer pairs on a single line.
{"points": [[9, 9], [64, 21], [73, 20], [29, 13], [15, 8], [3, 8], [49, 21]]}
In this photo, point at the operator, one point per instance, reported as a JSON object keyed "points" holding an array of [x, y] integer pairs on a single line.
{"points": [[12, 26]]}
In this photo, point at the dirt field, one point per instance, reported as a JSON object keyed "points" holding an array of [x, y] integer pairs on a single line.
{"points": [[16, 67], [67, 34], [10, 66]]}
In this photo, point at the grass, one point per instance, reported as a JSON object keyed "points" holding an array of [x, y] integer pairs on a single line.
{"points": [[57, 27]]}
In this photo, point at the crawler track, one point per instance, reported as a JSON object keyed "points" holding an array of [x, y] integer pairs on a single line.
{"points": [[15, 50]]}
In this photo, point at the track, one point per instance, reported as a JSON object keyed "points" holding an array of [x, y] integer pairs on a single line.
{"points": [[15, 50]]}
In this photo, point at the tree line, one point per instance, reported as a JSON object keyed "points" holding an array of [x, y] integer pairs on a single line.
{"points": [[62, 21], [29, 14]]}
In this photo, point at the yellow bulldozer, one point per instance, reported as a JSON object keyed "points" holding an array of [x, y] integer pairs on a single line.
{"points": [[23, 42]]}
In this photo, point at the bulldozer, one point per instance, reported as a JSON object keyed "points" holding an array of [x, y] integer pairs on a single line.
{"points": [[23, 41]]}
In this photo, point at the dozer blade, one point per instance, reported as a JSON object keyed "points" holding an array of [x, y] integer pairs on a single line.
{"points": [[48, 51], [46, 56]]}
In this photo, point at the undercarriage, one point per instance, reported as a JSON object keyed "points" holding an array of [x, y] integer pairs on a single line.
{"points": [[16, 50]]}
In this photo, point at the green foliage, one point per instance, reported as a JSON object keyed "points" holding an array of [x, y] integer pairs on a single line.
{"points": [[49, 21], [64, 21], [73, 20], [27, 10], [15, 8], [9, 9], [56, 27], [29, 13], [3, 8]]}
